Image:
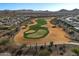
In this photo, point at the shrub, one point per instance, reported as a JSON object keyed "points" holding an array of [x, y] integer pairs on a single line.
{"points": [[44, 53], [4, 42], [76, 50]]}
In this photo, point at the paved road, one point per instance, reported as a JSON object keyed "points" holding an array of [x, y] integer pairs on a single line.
{"points": [[74, 43]]}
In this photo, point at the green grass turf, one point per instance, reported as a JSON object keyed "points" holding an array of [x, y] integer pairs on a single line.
{"points": [[40, 32]]}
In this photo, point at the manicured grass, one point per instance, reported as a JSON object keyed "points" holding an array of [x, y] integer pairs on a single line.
{"points": [[38, 34], [34, 27], [36, 31], [37, 26], [41, 21]]}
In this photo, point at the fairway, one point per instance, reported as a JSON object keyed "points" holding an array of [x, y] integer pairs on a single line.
{"points": [[39, 34], [36, 31]]}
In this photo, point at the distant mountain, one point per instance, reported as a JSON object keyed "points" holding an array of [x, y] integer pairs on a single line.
{"points": [[75, 10], [63, 10], [29, 10]]}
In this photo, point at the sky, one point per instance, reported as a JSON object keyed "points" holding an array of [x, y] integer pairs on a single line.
{"points": [[39, 6]]}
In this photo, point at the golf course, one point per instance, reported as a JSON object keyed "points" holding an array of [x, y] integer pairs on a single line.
{"points": [[41, 31], [37, 31]]}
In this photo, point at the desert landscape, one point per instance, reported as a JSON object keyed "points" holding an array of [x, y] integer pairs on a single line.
{"points": [[42, 30], [56, 35]]}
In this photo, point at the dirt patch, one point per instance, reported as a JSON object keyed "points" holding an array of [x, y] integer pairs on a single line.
{"points": [[57, 35]]}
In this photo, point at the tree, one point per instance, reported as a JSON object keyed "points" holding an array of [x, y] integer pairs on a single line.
{"points": [[60, 48], [76, 50], [61, 53], [51, 44], [50, 47], [18, 53]]}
